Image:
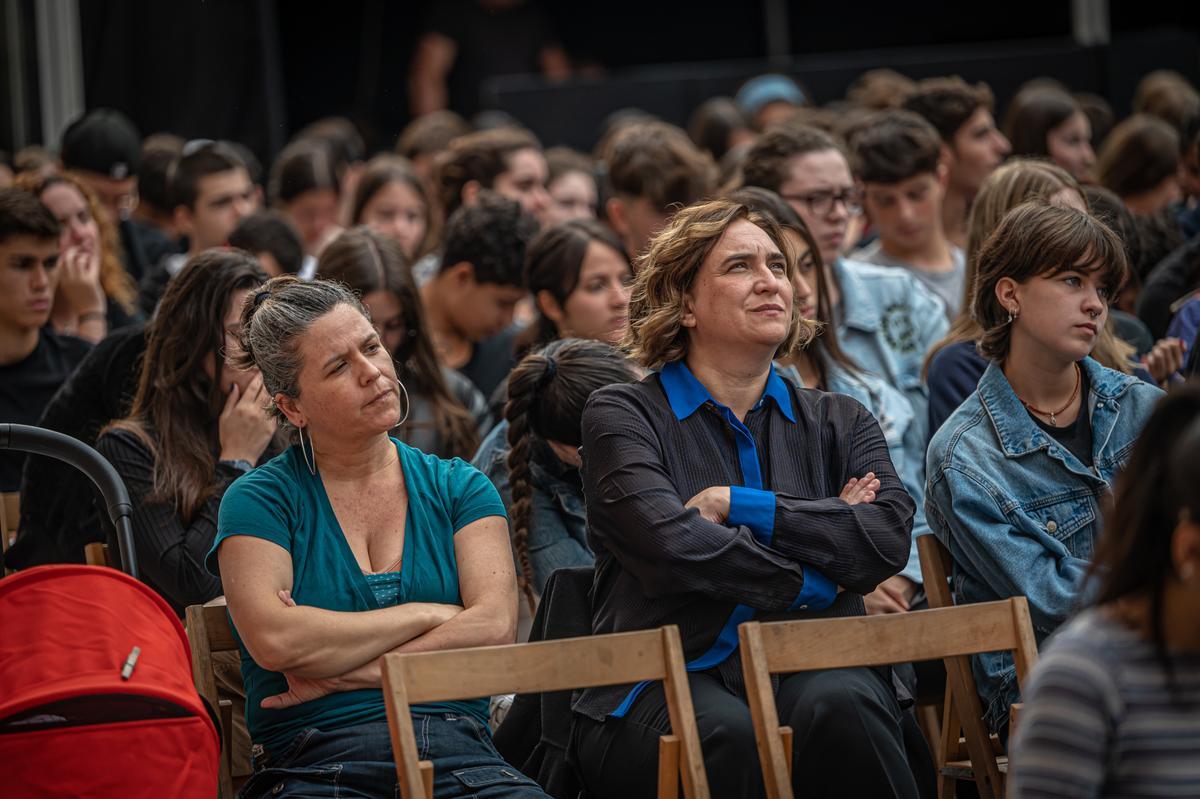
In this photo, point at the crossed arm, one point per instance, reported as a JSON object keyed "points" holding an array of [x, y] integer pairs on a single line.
{"points": [[321, 651]]}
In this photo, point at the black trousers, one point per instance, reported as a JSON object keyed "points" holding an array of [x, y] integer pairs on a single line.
{"points": [[848, 739]]}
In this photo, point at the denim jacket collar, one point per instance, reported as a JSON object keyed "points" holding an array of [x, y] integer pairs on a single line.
{"points": [[859, 309], [1017, 432], [685, 393]]}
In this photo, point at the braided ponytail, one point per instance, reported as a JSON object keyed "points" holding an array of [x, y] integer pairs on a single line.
{"points": [[546, 394]]}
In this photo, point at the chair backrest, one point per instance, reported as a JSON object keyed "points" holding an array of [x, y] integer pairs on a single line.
{"points": [[790, 646], [538, 667], [963, 711], [209, 631], [10, 515]]}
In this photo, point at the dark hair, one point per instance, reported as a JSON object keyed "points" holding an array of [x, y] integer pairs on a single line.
{"points": [[491, 236], [430, 133], [547, 391], [947, 103], [894, 146], [1100, 116], [1153, 493], [658, 162], [825, 341], [563, 160], [381, 171], [211, 158], [1169, 96], [1036, 110], [1140, 153], [1108, 208], [553, 261], [270, 231], [340, 137], [304, 165], [765, 163], [159, 152], [713, 123], [22, 214], [177, 405], [479, 157], [367, 262], [1039, 239], [878, 89]]}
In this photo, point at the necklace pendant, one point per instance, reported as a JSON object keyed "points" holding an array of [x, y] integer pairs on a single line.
{"points": [[1053, 421]]}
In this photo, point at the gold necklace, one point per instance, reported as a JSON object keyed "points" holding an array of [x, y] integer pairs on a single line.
{"points": [[1054, 414]]}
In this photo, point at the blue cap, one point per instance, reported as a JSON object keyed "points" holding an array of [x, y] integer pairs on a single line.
{"points": [[765, 89]]}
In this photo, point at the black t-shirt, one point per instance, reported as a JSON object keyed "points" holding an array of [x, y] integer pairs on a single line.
{"points": [[491, 360], [27, 386], [1077, 436], [504, 41]]}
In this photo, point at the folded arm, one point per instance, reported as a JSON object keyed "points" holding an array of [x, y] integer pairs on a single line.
{"points": [[308, 641], [635, 511]]}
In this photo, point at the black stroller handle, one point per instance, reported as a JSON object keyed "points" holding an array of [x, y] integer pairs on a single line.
{"points": [[26, 438]]}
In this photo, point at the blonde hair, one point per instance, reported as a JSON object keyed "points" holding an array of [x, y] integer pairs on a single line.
{"points": [[667, 270], [1018, 181]]}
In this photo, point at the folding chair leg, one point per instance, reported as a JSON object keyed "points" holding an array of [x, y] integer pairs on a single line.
{"points": [[785, 737], [427, 777], [668, 767]]}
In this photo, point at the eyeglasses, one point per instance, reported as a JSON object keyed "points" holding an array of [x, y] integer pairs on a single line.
{"points": [[822, 202]]}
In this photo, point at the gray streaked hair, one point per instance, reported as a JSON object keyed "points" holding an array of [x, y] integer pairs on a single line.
{"points": [[273, 318]]}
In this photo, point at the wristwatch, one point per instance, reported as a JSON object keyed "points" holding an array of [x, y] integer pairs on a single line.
{"points": [[240, 465]]}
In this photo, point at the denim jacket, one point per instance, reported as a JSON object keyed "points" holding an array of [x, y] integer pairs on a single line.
{"points": [[895, 416], [886, 323], [1018, 511], [557, 521]]}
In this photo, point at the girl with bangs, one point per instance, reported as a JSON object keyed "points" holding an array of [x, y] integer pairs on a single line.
{"points": [[1017, 475]]}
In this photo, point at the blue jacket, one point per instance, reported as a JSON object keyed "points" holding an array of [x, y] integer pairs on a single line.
{"points": [[557, 521], [886, 323], [1018, 511], [895, 416]]}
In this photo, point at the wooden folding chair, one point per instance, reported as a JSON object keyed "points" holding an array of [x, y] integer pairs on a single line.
{"points": [[791, 646], [965, 741], [96, 554], [10, 515], [209, 631], [547, 666]]}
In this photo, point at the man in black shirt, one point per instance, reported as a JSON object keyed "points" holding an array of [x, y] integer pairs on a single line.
{"points": [[33, 361], [471, 300]]}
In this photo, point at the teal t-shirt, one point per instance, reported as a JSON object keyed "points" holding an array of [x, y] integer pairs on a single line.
{"points": [[282, 503]]}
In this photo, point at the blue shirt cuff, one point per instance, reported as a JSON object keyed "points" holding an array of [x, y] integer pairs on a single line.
{"points": [[753, 508], [818, 592]]}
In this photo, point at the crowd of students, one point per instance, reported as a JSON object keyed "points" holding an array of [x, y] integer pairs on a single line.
{"points": [[737, 371]]}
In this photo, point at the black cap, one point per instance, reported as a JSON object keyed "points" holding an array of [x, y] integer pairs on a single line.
{"points": [[103, 141]]}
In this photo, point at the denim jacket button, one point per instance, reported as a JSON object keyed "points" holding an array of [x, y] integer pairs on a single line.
{"points": [[1051, 526]]}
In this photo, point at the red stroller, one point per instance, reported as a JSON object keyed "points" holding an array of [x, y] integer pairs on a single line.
{"points": [[96, 692]]}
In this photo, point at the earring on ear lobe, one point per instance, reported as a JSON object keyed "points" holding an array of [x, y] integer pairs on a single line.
{"points": [[1012, 315]]}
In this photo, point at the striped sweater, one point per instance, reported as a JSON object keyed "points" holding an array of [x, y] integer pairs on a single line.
{"points": [[1101, 721]]}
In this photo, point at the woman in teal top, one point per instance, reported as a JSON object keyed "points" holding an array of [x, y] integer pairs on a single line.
{"points": [[348, 546]]}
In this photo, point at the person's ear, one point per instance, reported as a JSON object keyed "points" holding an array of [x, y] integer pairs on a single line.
{"points": [[547, 303], [183, 220], [290, 409], [1185, 550], [461, 275], [470, 192], [1009, 294], [942, 173], [617, 215], [688, 317]]}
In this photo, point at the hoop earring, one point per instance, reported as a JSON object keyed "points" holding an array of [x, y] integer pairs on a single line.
{"points": [[407, 403], [309, 461]]}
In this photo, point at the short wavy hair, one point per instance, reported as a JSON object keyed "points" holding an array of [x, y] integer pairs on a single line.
{"points": [[668, 269]]}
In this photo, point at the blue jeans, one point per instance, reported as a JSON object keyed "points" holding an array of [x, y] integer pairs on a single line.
{"points": [[357, 762]]}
